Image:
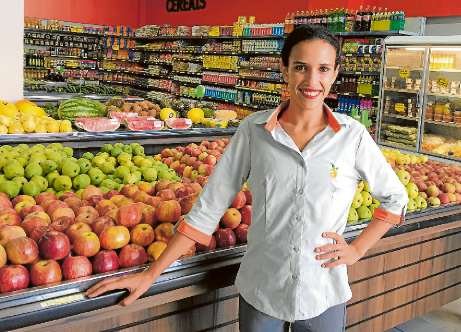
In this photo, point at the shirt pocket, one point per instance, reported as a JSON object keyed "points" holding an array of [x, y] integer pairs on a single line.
{"points": [[344, 180]]}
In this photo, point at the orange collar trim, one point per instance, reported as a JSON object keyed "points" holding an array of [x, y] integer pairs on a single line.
{"points": [[273, 121]]}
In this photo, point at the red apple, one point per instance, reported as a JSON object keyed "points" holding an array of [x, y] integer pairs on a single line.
{"points": [[231, 218], [142, 234], [166, 194], [111, 193], [104, 206], [61, 212], [8, 233], [74, 203], [45, 196], [187, 203], [54, 245], [21, 250], [38, 214], [87, 214], [35, 227], [3, 256], [75, 267], [23, 198], [225, 237], [162, 184], [164, 232], [62, 223], [9, 217], [90, 192], [132, 255], [67, 195], [148, 214], [168, 211], [432, 191], [202, 180], [248, 197], [246, 213], [241, 233], [239, 200], [54, 205], [129, 190], [13, 278], [30, 209], [114, 237], [76, 229], [153, 201], [105, 261], [5, 203], [101, 223], [86, 244], [210, 160], [129, 215], [146, 187], [93, 200], [45, 272]]}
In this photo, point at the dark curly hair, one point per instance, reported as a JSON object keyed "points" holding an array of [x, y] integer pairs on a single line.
{"points": [[308, 32]]}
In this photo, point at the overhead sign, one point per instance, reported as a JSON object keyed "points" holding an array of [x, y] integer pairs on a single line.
{"points": [[184, 5]]}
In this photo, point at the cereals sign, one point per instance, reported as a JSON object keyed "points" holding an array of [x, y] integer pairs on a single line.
{"points": [[184, 5]]}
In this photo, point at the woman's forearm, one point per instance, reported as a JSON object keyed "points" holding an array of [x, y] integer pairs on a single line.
{"points": [[370, 235]]}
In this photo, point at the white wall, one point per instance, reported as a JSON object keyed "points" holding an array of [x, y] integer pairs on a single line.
{"points": [[443, 26], [11, 54]]}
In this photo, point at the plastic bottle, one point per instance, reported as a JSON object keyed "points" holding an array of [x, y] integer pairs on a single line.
{"points": [[366, 20], [350, 21], [358, 20]]}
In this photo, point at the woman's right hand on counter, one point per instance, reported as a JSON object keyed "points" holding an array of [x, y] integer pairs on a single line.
{"points": [[137, 284]]}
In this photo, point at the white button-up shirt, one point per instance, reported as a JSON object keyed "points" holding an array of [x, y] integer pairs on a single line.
{"points": [[297, 195]]}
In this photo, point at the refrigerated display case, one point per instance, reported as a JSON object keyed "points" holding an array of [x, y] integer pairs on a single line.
{"points": [[421, 98]]}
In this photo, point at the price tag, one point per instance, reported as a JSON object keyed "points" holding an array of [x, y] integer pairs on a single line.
{"points": [[442, 82], [399, 107], [404, 73], [62, 300]]}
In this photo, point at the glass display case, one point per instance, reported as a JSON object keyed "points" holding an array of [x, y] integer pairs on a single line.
{"points": [[421, 95]]}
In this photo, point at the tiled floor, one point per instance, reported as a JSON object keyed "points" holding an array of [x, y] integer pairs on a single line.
{"points": [[446, 319]]}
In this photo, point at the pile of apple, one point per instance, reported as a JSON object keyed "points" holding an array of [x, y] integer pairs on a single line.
{"points": [[39, 168]]}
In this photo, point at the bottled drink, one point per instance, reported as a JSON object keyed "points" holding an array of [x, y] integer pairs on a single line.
{"points": [[358, 20], [341, 20], [366, 20], [350, 20]]}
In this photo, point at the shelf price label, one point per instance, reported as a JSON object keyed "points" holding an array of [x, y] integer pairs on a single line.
{"points": [[442, 82], [404, 73]]}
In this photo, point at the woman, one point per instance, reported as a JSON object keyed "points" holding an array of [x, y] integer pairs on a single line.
{"points": [[302, 163]]}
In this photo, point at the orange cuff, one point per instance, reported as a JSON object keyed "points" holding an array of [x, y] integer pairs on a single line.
{"points": [[192, 233], [388, 217]]}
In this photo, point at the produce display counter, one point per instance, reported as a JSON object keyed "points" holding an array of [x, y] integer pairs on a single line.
{"points": [[414, 269]]}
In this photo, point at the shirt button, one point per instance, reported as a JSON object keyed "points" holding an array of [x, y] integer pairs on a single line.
{"points": [[298, 218], [301, 192], [294, 277], [296, 249]]}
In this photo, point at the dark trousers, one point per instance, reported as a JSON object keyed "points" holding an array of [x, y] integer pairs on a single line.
{"points": [[252, 320]]}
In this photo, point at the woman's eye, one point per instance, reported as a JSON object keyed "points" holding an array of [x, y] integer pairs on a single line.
{"points": [[299, 67], [324, 69]]}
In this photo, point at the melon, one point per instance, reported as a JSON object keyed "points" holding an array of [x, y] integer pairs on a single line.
{"points": [[179, 123]]}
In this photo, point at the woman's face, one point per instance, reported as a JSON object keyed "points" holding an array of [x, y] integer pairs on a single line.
{"points": [[310, 73]]}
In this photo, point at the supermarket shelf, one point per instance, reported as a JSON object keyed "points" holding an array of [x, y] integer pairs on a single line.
{"points": [[263, 37], [444, 156], [193, 60], [169, 63], [221, 70], [446, 70], [400, 117], [205, 98], [398, 68], [397, 145], [142, 73], [367, 73], [446, 124], [260, 68], [401, 90], [39, 68], [60, 32], [185, 73], [224, 85], [71, 57], [449, 95], [367, 55], [85, 139], [354, 94], [258, 107], [209, 37], [122, 60], [170, 51], [65, 96], [261, 79], [190, 84], [66, 47], [220, 52], [261, 52], [376, 33], [238, 87]]}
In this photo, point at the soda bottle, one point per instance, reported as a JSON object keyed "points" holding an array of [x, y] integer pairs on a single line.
{"points": [[350, 20], [358, 20], [366, 20]]}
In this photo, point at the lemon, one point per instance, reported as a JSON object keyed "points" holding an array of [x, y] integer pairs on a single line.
{"points": [[3, 129], [52, 126], [5, 120], [29, 125], [15, 128], [167, 113], [65, 126], [196, 115], [9, 110], [40, 127]]}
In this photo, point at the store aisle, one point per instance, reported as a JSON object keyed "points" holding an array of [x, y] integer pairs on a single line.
{"points": [[446, 319]]}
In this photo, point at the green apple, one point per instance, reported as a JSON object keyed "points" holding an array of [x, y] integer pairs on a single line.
{"points": [[48, 166], [364, 212], [41, 181], [107, 168], [38, 157], [112, 160], [119, 145], [31, 188], [10, 188], [22, 147], [88, 155], [147, 163], [356, 201], [109, 184], [412, 190], [62, 183], [55, 146], [127, 163], [134, 168], [123, 157], [53, 155], [106, 148], [149, 174], [412, 205], [360, 186], [404, 176], [98, 161], [37, 148], [137, 149], [13, 169], [20, 180], [366, 186], [137, 160], [81, 181], [68, 151], [22, 160], [105, 155], [353, 216], [104, 189], [127, 149], [70, 168], [96, 176], [117, 180], [50, 177], [121, 171], [138, 175], [367, 200], [33, 169], [115, 152], [129, 179], [421, 202], [84, 164]]}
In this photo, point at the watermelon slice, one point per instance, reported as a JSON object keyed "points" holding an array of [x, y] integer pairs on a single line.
{"points": [[179, 123], [121, 116], [142, 123], [97, 124]]}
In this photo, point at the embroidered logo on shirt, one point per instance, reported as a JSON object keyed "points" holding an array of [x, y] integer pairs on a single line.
{"points": [[333, 171]]}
